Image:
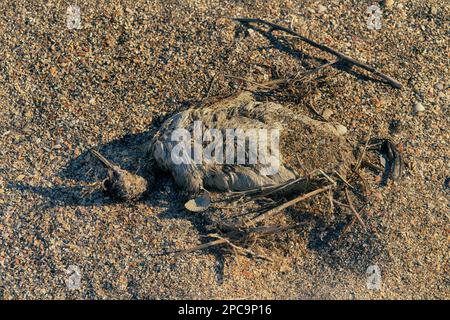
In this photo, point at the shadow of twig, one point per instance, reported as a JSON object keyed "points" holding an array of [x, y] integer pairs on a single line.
{"points": [[282, 44]]}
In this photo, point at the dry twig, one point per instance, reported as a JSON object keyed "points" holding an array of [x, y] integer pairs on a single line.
{"points": [[291, 203], [394, 83], [352, 208]]}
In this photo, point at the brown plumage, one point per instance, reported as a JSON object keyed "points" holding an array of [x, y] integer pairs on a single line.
{"points": [[307, 144], [317, 144]]}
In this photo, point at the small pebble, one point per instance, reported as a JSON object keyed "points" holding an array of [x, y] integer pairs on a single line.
{"points": [[388, 3], [439, 86], [418, 107], [321, 8], [342, 130], [327, 113]]}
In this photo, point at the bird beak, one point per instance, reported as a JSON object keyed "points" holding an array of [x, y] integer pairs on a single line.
{"points": [[103, 160]]}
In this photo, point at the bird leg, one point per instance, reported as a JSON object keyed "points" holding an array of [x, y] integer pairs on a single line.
{"points": [[395, 163]]}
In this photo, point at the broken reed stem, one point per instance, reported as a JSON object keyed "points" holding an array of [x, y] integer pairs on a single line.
{"points": [[223, 240], [353, 221], [327, 177], [352, 208], [341, 204], [265, 230], [291, 203], [372, 166], [264, 190], [196, 248], [210, 87], [243, 214], [394, 83], [343, 179], [238, 248]]}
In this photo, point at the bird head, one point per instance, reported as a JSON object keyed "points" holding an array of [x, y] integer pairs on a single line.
{"points": [[121, 184]]}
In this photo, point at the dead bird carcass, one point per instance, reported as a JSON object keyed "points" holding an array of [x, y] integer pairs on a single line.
{"points": [[307, 147], [314, 158]]}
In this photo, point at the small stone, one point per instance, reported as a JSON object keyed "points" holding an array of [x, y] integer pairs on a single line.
{"points": [[53, 71], [342, 130], [418, 107], [378, 103], [433, 10], [388, 3], [327, 113], [439, 86], [321, 8], [29, 114], [199, 204]]}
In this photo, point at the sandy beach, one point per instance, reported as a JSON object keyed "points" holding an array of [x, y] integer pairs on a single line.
{"points": [[111, 81]]}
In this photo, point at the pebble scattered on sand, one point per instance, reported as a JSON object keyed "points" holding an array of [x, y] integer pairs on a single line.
{"points": [[418, 107], [388, 3], [321, 8], [439, 86], [342, 130], [327, 113]]}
